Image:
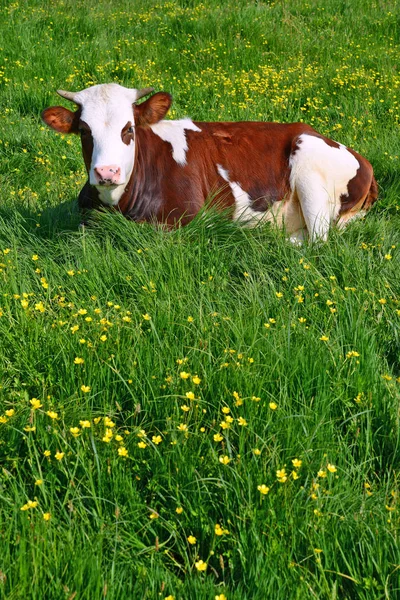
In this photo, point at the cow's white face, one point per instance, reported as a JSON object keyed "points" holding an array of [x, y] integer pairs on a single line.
{"points": [[107, 117], [106, 127], [106, 123]]}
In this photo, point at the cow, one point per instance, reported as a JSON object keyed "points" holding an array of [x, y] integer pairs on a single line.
{"points": [[158, 170]]}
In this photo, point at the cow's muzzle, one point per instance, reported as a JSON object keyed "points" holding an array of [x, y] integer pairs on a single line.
{"points": [[108, 175]]}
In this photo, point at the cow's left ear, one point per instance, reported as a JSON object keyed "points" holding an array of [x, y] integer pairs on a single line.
{"points": [[61, 119], [152, 110]]}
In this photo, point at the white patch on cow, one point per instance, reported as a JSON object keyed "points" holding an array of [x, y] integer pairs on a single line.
{"points": [[244, 213], [319, 177], [106, 109], [174, 133], [111, 195]]}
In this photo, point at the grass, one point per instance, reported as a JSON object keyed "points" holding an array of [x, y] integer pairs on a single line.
{"points": [[117, 460]]}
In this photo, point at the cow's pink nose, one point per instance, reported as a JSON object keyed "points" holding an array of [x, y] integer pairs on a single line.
{"points": [[108, 175]]}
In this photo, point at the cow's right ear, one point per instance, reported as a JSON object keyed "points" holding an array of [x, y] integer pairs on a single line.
{"points": [[152, 110], [61, 119]]}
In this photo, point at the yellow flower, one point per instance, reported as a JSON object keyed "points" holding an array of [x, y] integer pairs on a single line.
{"points": [[352, 354], [257, 451], [184, 375], [224, 425], [224, 460], [103, 338], [74, 328], [47, 516], [281, 475], [35, 403], [146, 317], [78, 360], [118, 438], [190, 395], [85, 388], [35, 257], [122, 451], [59, 455], [382, 301], [191, 539], [71, 272], [226, 410], [273, 405], [321, 473], [331, 468], [297, 463], [179, 510], [27, 428], [218, 437], [196, 380], [30, 504], [295, 475], [38, 481], [40, 307], [85, 424], [190, 319], [52, 414], [220, 530], [200, 565], [142, 445], [185, 408], [154, 515], [10, 412], [255, 398], [388, 256], [182, 427], [221, 597], [263, 489], [156, 439], [24, 303], [324, 338], [47, 453], [242, 422], [302, 320], [278, 294], [75, 431]]}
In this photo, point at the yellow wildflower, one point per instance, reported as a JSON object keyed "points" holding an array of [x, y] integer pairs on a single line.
{"points": [[200, 565], [191, 539], [263, 489]]}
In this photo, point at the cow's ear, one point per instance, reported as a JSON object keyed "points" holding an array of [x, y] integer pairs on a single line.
{"points": [[61, 119], [152, 110]]}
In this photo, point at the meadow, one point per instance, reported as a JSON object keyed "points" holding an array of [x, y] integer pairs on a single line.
{"points": [[208, 413]]}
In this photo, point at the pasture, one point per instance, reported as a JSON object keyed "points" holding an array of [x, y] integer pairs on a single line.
{"points": [[211, 412]]}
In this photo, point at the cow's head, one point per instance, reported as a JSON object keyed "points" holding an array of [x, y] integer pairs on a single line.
{"points": [[106, 119]]}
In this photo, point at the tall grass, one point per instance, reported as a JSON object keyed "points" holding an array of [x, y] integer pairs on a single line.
{"points": [[212, 393]]}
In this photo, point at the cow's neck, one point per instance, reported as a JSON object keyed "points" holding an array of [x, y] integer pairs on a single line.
{"points": [[143, 197]]}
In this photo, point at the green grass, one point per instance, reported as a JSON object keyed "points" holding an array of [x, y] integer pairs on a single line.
{"points": [[242, 310]]}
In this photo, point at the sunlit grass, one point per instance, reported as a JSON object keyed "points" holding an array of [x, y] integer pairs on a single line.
{"points": [[208, 412]]}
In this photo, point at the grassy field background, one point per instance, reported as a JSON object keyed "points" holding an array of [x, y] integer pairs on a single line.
{"points": [[208, 413]]}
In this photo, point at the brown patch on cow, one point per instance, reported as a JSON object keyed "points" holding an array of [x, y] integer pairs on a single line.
{"points": [[128, 136], [87, 143], [224, 136], [61, 119], [152, 110], [361, 187]]}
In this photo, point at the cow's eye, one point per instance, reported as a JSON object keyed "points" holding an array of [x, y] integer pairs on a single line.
{"points": [[129, 130]]}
